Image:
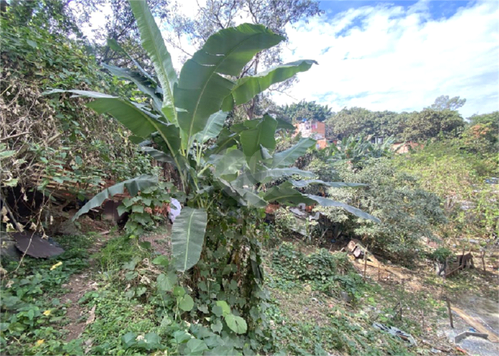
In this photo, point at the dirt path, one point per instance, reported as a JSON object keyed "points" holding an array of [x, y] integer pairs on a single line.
{"points": [[476, 310], [476, 314], [80, 284], [78, 317]]}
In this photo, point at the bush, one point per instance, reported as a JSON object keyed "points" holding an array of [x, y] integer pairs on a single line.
{"points": [[459, 177], [58, 145], [325, 271], [407, 212]]}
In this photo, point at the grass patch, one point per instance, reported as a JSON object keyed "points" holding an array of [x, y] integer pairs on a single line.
{"points": [[30, 304]]}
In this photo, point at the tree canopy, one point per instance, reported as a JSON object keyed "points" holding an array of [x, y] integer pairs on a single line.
{"points": [[304, 110], [359, 121], [444, 102], [430, 123]]}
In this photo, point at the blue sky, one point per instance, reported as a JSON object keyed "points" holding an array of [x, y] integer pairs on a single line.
{"points": [[437, 9], [390, 55], [398, 55]]}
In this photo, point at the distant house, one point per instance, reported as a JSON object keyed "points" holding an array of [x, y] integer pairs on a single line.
{"points": [[313, 129], [377, 139]]}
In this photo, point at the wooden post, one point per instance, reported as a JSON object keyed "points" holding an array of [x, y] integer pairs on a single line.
{"points": [[450, 312], [365, 263], [482, 256]]}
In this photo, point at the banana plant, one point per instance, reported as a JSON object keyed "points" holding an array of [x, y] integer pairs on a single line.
{"points": [[183, 125], [357, 149]]}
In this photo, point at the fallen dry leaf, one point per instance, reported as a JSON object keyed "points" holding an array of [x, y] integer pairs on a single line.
{"points": [[91, 318]]}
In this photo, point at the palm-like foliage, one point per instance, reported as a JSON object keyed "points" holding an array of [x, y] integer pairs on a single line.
{"points": [[185, 112], [356, 149]]}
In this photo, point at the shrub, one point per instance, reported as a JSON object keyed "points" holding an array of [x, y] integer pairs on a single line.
{"points": [[407, 212]]}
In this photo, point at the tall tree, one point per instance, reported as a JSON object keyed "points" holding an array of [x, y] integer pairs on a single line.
{"points": [[444, 102], [119, 26], [359, 121], [304, 110], [216, 15], [430, 123], [482, 133], [53, 15]]}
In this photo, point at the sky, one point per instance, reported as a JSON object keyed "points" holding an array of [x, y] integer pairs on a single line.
{"points": [[392, 55], [398, 55]]}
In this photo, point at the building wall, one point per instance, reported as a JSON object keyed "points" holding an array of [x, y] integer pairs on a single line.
{"points": [[313, 129]]}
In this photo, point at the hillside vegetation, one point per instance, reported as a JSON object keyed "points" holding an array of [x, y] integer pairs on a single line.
{"points": [[257, 261]]}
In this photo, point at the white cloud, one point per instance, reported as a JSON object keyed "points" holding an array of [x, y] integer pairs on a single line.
{"points": [[399, 58]]}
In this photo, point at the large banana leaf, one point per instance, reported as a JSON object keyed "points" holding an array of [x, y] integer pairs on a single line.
{"points": [[250, 198], [202, 88], [158, 155], [265, 175], [213, 127], [225, 140], [114, 45], [141, 122], [133, 186], [357, 212], [231, 162], [286, 194], [244, 196], [281, 124], [253, 139], [188, 237], [306, 183], [247, 88], [144, 84], [289, 156], [153, 43]]}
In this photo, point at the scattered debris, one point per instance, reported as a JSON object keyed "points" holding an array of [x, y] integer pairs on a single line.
{"points": [[436, 349], [476, 325], [356, 248], [458, 263], [175, 209], [465, 334], [8, 247], [396, 332], [298, 213], [34, 245], [91, 318]]}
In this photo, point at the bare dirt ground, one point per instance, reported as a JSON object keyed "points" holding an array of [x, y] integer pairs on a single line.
{"points": [[79, 284], [473, 293]]}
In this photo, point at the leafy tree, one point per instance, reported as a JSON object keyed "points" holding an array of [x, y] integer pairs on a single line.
{"points": [[491, 118], [223, 184], [216, 15], [444, 102], [304, 111], [119, 27], [408, 213], [430, 123], [460, 178], [358, 121], [52, 15], [482, 133]]}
